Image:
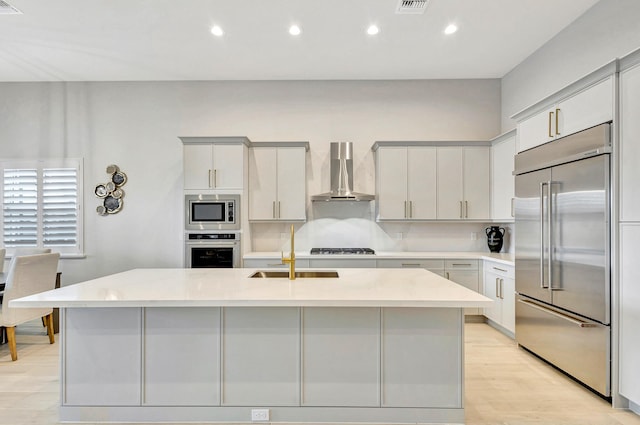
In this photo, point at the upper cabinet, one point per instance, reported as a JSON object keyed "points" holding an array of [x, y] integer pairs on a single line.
{"points": [[406, 182], [629, 147], [214, 163], [277, 181], [463, 183], [583, 104], [503, 150], [429, 181]]}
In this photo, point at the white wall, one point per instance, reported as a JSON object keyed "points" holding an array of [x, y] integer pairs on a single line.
{"points": [[608, 30], [136, 126]]}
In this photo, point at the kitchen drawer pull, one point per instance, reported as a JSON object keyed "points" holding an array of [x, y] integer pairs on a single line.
{"points": [[410, 264], [461, 264], [557, 115], [500, 270], [580, 323]]}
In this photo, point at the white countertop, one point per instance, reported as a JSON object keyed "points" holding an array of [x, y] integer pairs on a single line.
{"points": [[233, 288], [507, 259]]}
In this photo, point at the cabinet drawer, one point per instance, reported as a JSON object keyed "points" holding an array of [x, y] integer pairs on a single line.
{"points": [[461, 264], [499, 269], [272, 263], [397, 263]]}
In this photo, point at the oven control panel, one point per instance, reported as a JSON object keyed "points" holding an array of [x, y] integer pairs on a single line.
{"points": [[209, 236]]}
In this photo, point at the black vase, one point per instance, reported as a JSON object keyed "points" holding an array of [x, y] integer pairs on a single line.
{"points": [[495, 236]]}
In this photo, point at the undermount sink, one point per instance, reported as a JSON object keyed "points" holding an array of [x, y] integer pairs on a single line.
{"points": [[301, 275]]}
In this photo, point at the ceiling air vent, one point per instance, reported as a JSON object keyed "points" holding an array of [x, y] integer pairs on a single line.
{"points": [[413, 7], [7, 9]]}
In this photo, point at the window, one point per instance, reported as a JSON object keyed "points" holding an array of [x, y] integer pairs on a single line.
{"points": [[41, 204]]}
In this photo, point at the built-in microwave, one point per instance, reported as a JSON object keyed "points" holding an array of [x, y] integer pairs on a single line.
{"points": [[212, 212]]}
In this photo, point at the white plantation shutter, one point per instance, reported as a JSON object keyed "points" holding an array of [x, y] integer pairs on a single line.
{"points": [[20, 207], [41, 204]]}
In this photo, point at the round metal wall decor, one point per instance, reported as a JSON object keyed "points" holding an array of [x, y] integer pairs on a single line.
{"points": [[111, 192]]}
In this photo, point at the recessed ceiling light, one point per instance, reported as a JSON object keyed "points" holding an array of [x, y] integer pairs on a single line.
{"points": [[373, 30], [217, 31], [294, 30], [451, 29]]}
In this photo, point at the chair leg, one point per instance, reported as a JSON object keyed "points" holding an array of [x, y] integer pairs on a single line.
{"points": [[11, 339], [49, 320], [44, 323]]}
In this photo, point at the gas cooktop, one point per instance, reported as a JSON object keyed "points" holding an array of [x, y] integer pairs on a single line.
{"points": [[342, 251]]}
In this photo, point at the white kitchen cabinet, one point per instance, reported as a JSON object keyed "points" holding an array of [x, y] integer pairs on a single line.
{"points": [[169, 377], [464, 272], [431, 264], [629, 147], [429, 380], [213, 163], [340, 357], [95, 374], [463, 188], [629, 367], [406, 182], [499, 285], [277, 183], [568, 114], [263, 370], [503, 151], [275, 263]]}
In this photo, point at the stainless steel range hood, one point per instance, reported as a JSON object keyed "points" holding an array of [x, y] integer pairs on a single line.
{"points": [[342, 176]]}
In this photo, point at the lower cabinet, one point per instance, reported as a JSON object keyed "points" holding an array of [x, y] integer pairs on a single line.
{"points": [[499, 285]]}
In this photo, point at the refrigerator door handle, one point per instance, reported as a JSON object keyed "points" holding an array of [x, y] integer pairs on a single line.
{"points": [[579, 323], [542, 185], [550, 235]]}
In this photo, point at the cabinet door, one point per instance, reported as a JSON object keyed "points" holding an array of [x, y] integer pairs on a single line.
{"points": [[591, 106], [629, 312], [536, 130], [343, 263], [169, 377], [477, 187], [340, 357], [421, 182], [492, 290], [291, 177], [392, 183], [228, 166], [433, 378], [261, 356], [198, 166], [262, 184], [502, 179], [629, 146], [468, 279], [509, 304], [103, 351], [450, 183]]}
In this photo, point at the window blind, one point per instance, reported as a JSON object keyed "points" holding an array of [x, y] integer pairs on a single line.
{"points": [[20, 207]]}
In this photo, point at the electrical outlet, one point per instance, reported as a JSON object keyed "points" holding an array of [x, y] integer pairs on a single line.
{"points": [[259, 415]]}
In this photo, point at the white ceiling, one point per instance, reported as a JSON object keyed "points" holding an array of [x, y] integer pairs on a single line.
{"points": [[130, 40]]}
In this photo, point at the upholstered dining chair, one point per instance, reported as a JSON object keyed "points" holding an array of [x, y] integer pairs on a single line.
{"points": [[28, 275]]}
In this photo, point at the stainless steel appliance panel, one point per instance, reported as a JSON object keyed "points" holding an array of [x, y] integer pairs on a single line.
{"points": [[580, 242], [532, 234], [579, 347], [212, 250]]}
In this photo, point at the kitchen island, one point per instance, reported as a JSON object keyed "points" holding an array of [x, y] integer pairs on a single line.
{"points": [[214, 345]]}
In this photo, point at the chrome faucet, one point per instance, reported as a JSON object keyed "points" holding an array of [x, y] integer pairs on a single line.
{"points": [[291, 260]]}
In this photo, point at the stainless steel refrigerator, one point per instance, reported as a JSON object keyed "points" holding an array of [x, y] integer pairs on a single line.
{"points": [[562, 250]]}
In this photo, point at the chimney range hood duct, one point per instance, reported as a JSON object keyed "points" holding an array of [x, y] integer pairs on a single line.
{"points": [[342, 176]]}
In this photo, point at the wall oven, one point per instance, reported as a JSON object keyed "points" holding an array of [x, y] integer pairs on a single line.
{"points": [[212, 212], [212, 250]]}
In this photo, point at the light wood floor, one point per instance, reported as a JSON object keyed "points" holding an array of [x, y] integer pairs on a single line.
{"points": [[504, 385]]}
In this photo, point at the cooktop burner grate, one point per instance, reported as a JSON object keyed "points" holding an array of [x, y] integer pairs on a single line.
{"points": [[342, 251]]}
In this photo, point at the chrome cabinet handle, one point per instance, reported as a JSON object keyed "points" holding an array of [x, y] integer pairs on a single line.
{"points": [[557, 115], [500, 270], [461, 264], [210, 182], [550, 234], [410, 264], [575, 321], [513, 214], [502, 289], [497, 291], [215, 178]]}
